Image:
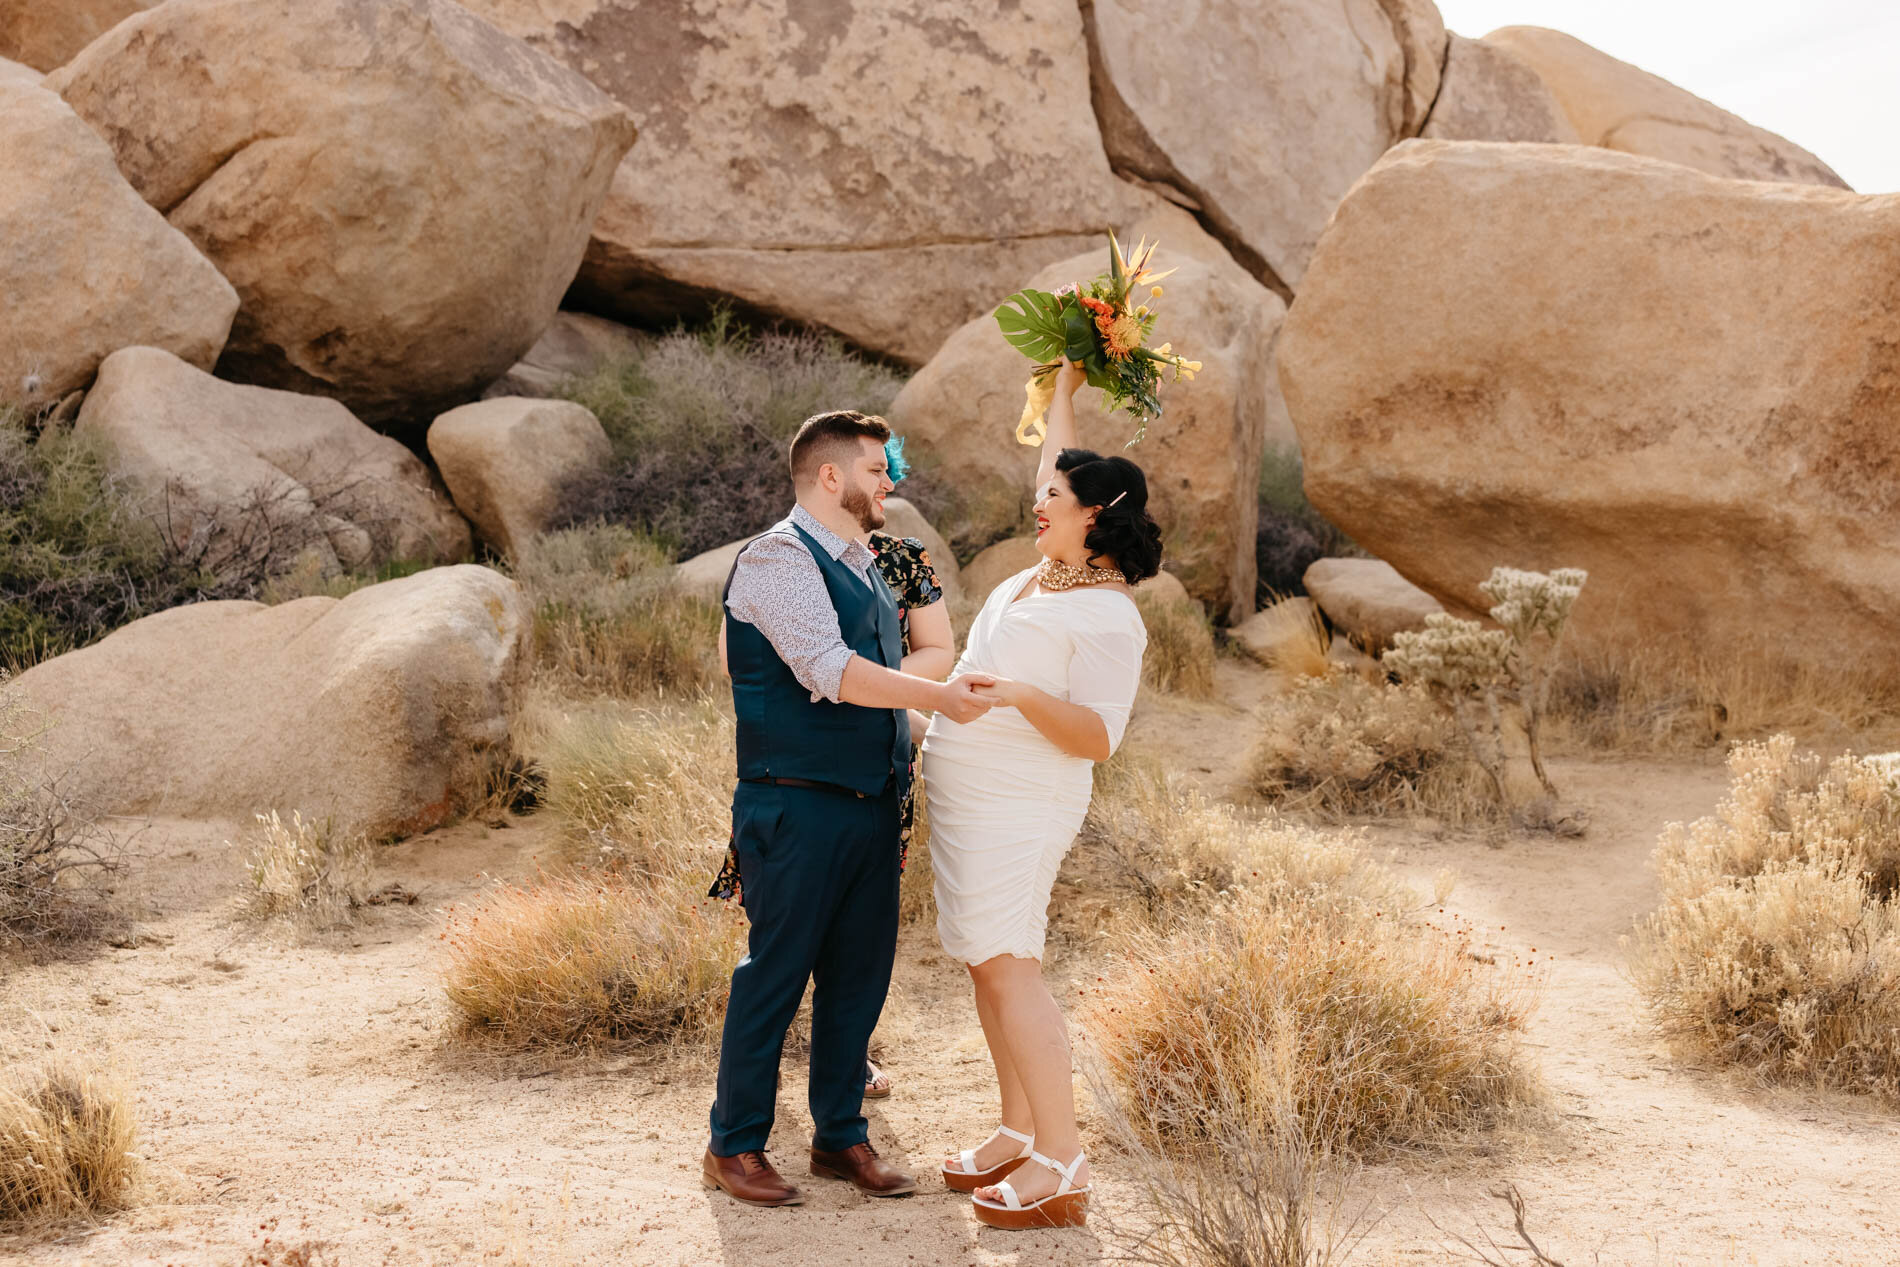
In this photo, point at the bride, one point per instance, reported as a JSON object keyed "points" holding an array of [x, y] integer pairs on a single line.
{"points": [[1008, 792]]}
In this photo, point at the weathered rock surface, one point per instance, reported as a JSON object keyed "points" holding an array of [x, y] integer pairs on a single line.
{"points": [[47, 33], [509, 461], [399, 192], [1487, 94], [299, 471], [1202, 457], [18, 74], [1367, 600], [1262, 116], [385, 710], [883, 168], [705, 574], [86, 266], [1570, 379], [575, 345], [1623, 107]]}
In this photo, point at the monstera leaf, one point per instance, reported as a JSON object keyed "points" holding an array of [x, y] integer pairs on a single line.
{"points": [[1032, 322]]}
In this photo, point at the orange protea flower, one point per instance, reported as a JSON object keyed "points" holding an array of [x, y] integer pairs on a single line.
{"points": [[1122, 335], [1096, 306]]}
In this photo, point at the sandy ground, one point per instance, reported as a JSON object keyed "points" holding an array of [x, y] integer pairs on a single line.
{"points": [[299, 1104]]}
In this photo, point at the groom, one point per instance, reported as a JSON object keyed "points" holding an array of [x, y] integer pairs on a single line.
{"points": [[814, 650]]}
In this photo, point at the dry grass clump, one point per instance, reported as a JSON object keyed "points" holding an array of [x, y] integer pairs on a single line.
{"points": [[610, 617], [1777, 945], [642, 788], [1294, 638], [1381, 1031], [1338, 746], [1665, 700], [1180, 655], [626, 947], [309, 872], [66, 1138], [1154, 849], [571, 961]]}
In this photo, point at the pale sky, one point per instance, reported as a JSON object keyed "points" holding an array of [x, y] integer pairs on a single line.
{"points": [[1823, 73]]}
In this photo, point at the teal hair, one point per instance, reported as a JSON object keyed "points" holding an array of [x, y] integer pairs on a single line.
{"points": [[894, 458]]}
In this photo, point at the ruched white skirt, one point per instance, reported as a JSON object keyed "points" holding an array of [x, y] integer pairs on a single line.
{"points": [[998, 832]]}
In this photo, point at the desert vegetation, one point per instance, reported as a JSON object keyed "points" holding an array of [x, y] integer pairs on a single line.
{"points": [[308, 871], [67, 1134], [700, 420], [1776, 949]]}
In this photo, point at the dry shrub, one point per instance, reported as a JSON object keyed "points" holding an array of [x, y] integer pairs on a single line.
{"points": [[1777, 945], [66, 1138], [629, 948], [1180, 655], [309, 872], [1381, 1031], [916, 893], [576, 960], [1153, 849], [642, 788], [1296, 637], [57, 863], [1339, 746], [1664, 700], [610, 617], [701, 423]]}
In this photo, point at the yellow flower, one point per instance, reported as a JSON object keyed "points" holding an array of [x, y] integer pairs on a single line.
{"points": [[1165, 348], [1142, 311], [1154, 292]]}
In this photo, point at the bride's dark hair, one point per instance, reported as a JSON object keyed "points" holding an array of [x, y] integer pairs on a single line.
{"points": [[1123, 530]]}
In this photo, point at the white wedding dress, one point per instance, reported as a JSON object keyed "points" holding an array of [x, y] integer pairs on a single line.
{"points": [[1005, 803]]}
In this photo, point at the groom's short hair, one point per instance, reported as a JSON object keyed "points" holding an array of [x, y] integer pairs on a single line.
{"points": [[832, 437]]}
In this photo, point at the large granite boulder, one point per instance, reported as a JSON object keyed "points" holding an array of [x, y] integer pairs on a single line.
{"points": [[18, 74], [88, 266], [387, 710], [1262, 116], [47, 33], [1202, 457], [509, 461], [1623, 107], [253, 469], [1547, 356], [882, 168], [1487, 94], [400, 193]]}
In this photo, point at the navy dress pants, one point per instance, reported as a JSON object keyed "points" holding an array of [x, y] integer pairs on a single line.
{"points": [[818, 875]]}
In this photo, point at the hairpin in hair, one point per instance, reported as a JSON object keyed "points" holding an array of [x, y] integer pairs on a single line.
{"points": [[1118, 497]]}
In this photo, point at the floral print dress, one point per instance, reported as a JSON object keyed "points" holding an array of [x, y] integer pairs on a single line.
{"points": [[905, 566]]}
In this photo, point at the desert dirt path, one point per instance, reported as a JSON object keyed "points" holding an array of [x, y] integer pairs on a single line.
{"points": [[297, 1097]]}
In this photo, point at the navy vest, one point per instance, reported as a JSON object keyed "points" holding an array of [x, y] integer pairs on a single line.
{"points": [[782, 732]]}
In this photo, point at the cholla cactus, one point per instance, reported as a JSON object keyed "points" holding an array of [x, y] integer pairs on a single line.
{"points": [[1495, 681]]}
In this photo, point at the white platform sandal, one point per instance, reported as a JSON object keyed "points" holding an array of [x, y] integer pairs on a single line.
{"points": [[967, 1178], [1067, 1206]]}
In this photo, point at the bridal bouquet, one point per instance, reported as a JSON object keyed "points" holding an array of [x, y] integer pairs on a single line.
{"points": [[1104, 325]]}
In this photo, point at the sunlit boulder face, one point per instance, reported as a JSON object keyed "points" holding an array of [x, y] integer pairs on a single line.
{"points": [[1623, 107], [44, 34], [1547, 356], [399, 192]]}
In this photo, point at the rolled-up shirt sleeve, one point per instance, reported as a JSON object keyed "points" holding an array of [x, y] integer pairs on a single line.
{"points": [[1105, 672], [778, 589]]}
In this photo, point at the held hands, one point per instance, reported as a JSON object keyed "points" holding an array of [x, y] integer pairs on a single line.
{"points": [[960, 700], [1002, 691]]}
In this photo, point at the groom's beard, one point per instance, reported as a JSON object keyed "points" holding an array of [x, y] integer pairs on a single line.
{"points": [[858, 503]]}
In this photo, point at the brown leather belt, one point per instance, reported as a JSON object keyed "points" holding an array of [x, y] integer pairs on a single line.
{"points": [[810, 783]]}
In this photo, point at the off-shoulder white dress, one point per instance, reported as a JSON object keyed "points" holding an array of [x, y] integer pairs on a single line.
{"points": [[1005, 803]]}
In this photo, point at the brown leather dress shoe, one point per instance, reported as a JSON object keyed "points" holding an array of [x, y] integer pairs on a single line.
{"points": [[861, 1167], [748, 1177]]}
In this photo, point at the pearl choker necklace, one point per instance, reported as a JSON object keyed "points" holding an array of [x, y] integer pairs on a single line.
{"points": [[1054, 574]]}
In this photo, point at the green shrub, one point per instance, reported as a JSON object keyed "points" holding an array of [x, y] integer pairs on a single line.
{"points": [[700, 423]]}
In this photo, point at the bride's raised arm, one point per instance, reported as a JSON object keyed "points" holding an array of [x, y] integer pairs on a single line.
{"points": [[1061, 421]]}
